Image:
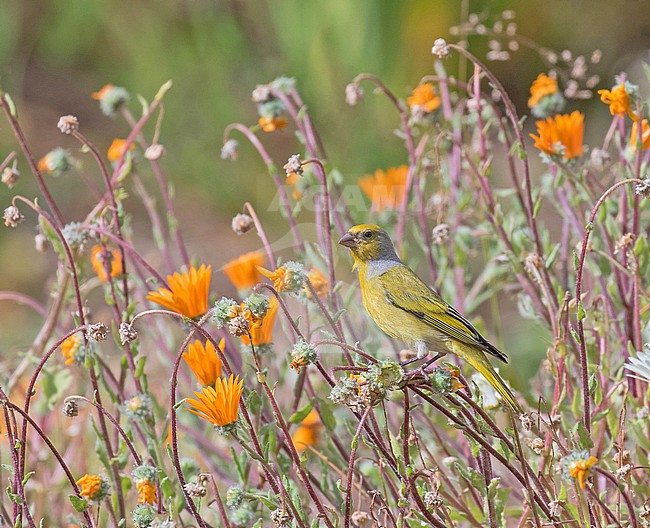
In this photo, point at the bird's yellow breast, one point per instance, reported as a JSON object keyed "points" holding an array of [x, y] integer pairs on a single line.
{"points": [[393, 320]]}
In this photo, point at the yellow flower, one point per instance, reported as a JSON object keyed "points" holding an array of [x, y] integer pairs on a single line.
{"points": [[187, 293], [103, 91], [91, 486], [579, 469], [272, 123], [69, 348], [242, 271], [385, 189], [117, 148], [619, 101], [308, 433], [541, 87], [562, 134], [262, 333], [203, 361], [218, 405], [645, 134], [287, 278], [97, 256], [424, 98], [318, 281], [146, 491]]}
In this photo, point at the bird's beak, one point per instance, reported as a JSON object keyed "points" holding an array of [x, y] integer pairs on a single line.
{"points": [[348, 240]]}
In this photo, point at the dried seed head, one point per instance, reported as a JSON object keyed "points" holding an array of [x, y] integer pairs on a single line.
{"points": [[526, 421], [70, 408], [242, 223], [238, 326], [625, 241], [360, 518], [353, 94], [623, 472], [643, 189], [555, 508], [195, 489], [441, 49], [280, 518], [440, 233], [154, 152], [12, 216], [537, 445], [10, 176], [294, 166], [229, 150], [127, 333], [97, 332], [41, 243], [68, 124], [432, 500]]}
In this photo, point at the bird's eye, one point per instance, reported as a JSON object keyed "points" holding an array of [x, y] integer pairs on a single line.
{"points": [[367, 235]]}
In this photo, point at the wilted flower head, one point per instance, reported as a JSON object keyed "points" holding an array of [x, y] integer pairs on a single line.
{"points": [[386, 189], [219, 405], [73, 350], [302, 354], [229, 150], [561, 135], [188, 292], [68, 124], [545, 96], [224, 310], [288, 278], [262, 331], [145, 478], [97, 332], [367, 389], [619, 100], [111, 98], [353, 94], [243, 270], [643, 188], [441, 48], [294, 165], [55, 162], [118, 148], [238, 326], [127, 333], [12, 216], [577, 465], [93, 487], [242, 223], [10, 175], [445, 379]]}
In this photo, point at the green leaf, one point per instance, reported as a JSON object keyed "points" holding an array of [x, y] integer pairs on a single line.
{"points": [[584, 438], [301, 414], [327, 416], [78, 503], [581, 312]]}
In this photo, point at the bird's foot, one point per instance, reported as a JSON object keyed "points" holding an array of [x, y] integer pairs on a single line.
{"points": [[420, 371]]}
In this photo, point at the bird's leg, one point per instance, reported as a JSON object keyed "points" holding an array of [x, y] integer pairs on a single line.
{"points": [[430, 361]]}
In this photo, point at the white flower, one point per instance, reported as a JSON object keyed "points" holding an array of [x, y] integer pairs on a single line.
{"points": [[640, 365]]}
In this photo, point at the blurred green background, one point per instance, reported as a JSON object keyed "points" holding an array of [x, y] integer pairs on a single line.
{"points": [[55, 53]]}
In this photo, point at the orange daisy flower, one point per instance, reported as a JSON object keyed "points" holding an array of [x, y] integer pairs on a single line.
{"points": [[146, 491], [318, 281], [117, 148], [272, 123], [219, 405], [204, 361], [69, 348], [541, 87], [561, 134], [262, 333], [579, 470], [97, 256], [645, 134], [92, 487], [385, 189], [187, 293], [308, 433], [243, 272], [619, 101], [424, 98]]}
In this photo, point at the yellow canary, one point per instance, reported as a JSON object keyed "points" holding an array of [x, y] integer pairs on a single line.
{"points": [[406, 308]]}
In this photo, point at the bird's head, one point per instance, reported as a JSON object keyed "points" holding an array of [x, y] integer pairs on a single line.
{"points": [[368, 242]]}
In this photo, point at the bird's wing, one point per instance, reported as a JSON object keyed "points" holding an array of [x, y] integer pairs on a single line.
{"points": [[405, 290]]}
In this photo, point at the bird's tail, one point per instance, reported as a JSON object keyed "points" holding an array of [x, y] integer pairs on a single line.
{"points": [[479, 361]]}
